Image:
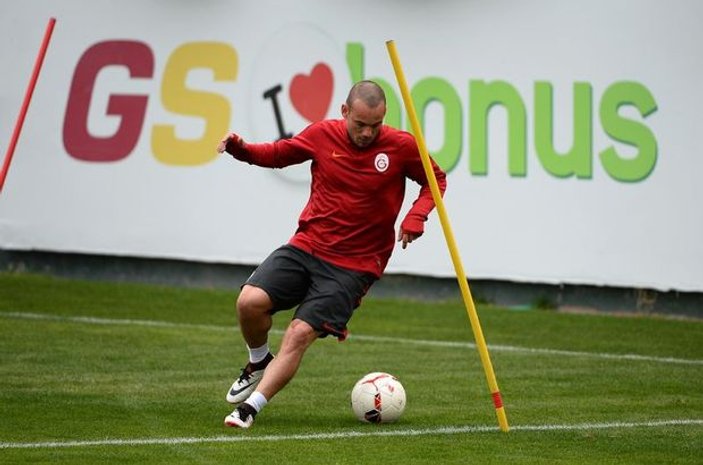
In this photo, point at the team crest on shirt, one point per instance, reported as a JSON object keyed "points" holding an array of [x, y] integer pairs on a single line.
{"points": [[381, 163]]}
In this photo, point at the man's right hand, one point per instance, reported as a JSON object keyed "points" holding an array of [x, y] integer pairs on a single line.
{"points": [[230, 138]]}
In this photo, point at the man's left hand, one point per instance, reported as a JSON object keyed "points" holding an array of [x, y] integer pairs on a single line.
{"points": [[406, 237]]}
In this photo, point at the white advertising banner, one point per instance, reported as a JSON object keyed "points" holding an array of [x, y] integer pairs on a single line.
{"points": [[569, 130]]}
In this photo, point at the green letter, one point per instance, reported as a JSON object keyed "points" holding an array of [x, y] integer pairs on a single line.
{"points": [[627, 131], [483, 96], [434, 89], [578, 159]]}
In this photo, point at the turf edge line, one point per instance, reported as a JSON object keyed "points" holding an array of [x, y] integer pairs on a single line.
{"points": [[446, 430], [358, 337]]}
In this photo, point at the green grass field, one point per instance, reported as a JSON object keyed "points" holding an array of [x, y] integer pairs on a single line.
{"points": [[121, 373]]}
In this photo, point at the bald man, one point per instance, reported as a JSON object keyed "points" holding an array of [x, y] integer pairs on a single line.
{"points": [[345, 237]]}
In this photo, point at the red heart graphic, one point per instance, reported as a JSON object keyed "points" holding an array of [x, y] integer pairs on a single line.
{"points": [[311, 94]]}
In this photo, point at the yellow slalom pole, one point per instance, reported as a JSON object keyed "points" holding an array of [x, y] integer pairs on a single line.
{"points": [[451, 243]]}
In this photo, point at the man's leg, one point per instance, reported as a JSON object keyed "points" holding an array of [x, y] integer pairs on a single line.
{"points": [[254, 314], [297, 338]]}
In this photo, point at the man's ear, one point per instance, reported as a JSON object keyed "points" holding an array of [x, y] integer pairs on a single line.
{"points": [[345, 110]]}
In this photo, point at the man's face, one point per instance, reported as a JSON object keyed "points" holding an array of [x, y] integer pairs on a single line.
{"points": [[363, 123]]}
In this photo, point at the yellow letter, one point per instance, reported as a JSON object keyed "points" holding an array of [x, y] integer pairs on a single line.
{"points": [[176, 97]]}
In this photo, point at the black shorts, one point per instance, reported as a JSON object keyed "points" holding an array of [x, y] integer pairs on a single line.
{"points": [[326, 295]]}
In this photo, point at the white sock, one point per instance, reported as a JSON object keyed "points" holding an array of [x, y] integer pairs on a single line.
{"points": [[257, 400], [257, 354]]}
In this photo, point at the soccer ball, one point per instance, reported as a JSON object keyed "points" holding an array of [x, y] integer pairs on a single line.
{"points": [[378, 398]]}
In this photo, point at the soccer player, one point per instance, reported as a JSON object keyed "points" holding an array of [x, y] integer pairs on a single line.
{"points": [[345, 236]]}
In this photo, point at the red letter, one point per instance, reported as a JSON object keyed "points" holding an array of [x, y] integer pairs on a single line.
{"points": [[79, 143]]}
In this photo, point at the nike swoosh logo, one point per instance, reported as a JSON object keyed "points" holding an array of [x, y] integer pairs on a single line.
{"points": [[234, 392], [338, 155]]}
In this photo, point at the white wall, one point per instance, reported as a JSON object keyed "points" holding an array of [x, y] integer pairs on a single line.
{"points": [[636, 223]]}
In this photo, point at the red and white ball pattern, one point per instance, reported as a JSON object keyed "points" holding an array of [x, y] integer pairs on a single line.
{"points": [[378, 398]]}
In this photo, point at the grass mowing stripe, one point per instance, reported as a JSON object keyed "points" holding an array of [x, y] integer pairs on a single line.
{"points": [[359, 337], [446, 430]]}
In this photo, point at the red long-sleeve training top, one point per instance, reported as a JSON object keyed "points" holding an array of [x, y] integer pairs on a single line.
{"points": [[355, 194]]}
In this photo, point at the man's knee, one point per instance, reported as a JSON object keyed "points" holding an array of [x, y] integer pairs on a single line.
{"points": [[300, 334], [253, 301]]}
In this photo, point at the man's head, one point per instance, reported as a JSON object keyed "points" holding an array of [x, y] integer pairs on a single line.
{"points": [[364, 111]]}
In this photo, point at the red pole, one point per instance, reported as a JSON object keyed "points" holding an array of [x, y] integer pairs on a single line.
{"points": [[27, 98]]}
